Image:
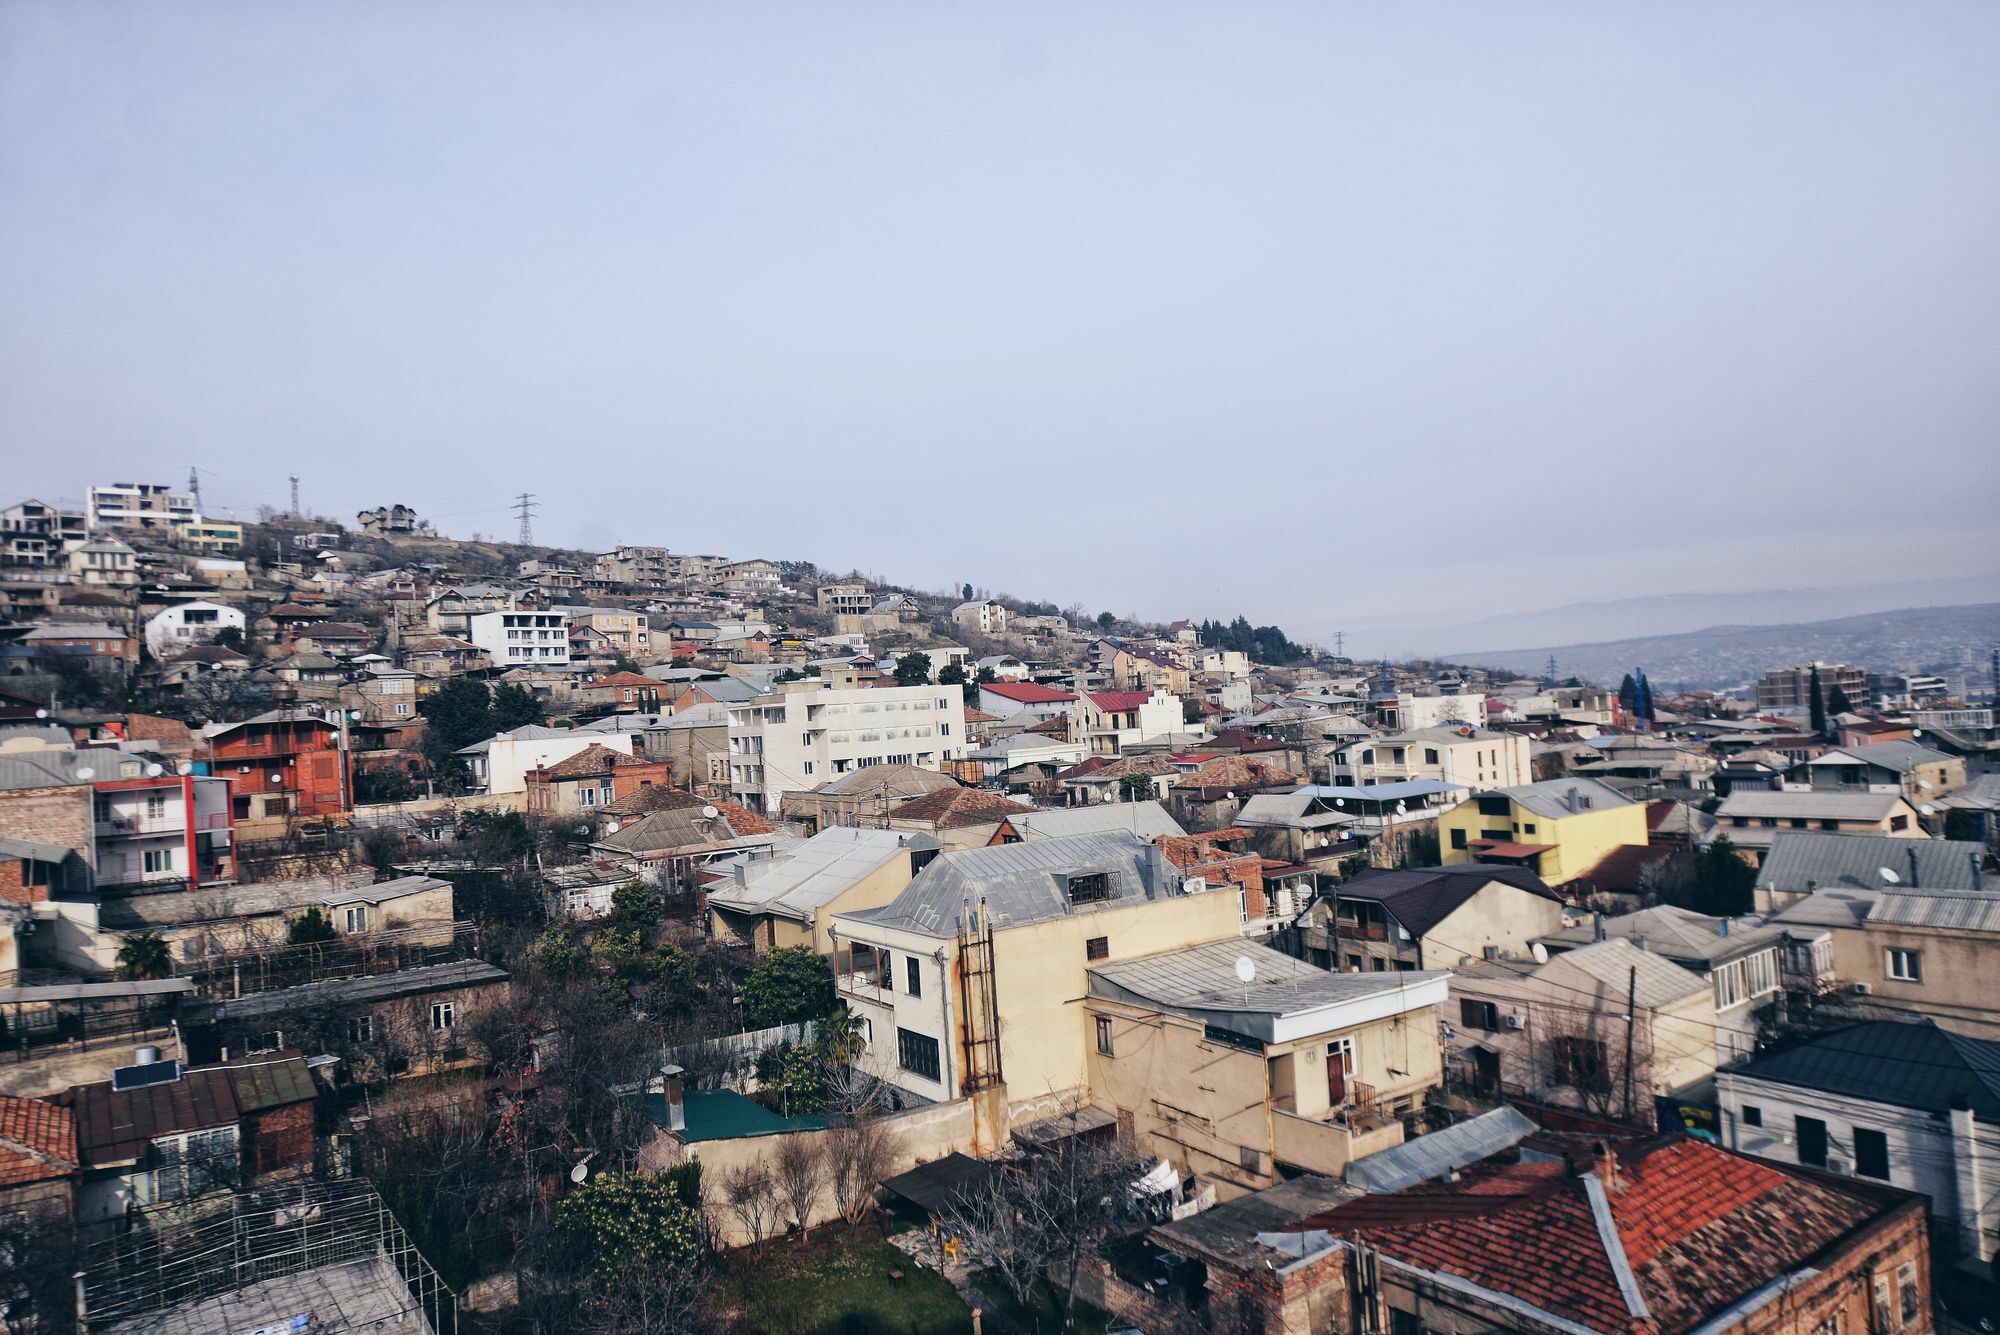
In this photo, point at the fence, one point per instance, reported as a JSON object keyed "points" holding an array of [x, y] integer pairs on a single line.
{"points": [[240, 973]]}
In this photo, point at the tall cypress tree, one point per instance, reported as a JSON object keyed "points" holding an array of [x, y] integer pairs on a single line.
{"points": [[1818, 704]]}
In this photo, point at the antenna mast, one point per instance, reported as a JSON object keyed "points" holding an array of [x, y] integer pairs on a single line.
{"points": [[194, 486]]}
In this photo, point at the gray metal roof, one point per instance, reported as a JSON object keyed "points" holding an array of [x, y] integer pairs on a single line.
{"points": [[1679, 934], [1802, 859], [1898, 1063], [1203, 978], [361, 991], [1902, 757], [1148, 820], [1551, 797], [1608, 963], [814, 873], [1758, 803], [1960, 910], [384, 890], [1434, 1155], [1019, 883]]}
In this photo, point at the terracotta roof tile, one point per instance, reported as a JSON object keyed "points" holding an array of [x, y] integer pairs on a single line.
{"points": [[37, 1141], [951, 808]]}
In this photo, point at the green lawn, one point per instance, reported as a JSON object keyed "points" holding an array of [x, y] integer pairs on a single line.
{"points": [[838, 1282]]}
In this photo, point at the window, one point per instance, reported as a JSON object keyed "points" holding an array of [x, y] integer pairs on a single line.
{"points": [[1479, 1015], [1104, 1035], [1243, 905], [1752, 1115], [1906, 1291], [917, 1054], [1871, 1154], [1883, 1314], [1458, 838], [1354, 963], [1430, 755], [357, 918], [1830, 1326], [1899, 822], [1580, 1063], [1906, 965], [910, 963], [444, 1015], [1090, 888], [1812, 1142], [159, 859], [156, 805], [1493, 806], [1097, 948], [361, 1029]]}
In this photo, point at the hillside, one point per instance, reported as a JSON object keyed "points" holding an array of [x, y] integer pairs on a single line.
{"points": [[1719, 656]]}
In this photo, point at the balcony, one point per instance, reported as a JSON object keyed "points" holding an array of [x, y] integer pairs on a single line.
{"points": [[128, 827]]}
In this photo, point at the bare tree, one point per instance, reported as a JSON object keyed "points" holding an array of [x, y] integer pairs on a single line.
{"points": [[747, 1192], [861, 1149], [1584, 1051], [798, 1170]]}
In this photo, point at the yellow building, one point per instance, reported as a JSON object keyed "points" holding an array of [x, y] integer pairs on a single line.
{"points": [[791, 899], [1559, 829], [973, 977]]}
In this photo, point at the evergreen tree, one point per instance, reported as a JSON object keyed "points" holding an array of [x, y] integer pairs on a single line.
{"points": [[913, 668], [1628, 695], [1818, 705], [1837, 703]]}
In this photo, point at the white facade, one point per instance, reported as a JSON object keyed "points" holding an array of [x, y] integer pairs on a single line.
{"points": [[803, 736], [501, 763], [517, 639], [1478, 760], [1955, 1159], [1418, 712], [186, 625], [986, 617], [139, 505]]}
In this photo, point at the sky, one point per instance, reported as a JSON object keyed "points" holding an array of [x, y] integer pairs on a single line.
{"points": [[1334, 315]]}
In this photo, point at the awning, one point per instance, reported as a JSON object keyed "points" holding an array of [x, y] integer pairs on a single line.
{"points": [[1494, 848], [151, 987], [931, 1186]]}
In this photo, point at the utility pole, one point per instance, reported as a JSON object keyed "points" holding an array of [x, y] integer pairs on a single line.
{"points": [[1631, 1023], [525, 506], [294, 477]]}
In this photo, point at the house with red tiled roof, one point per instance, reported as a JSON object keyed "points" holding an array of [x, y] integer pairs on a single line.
{"points": [[39, 1167], [961, 817], [593, 778], [1005, 699], [1112, 721], [622, 692], [1635, 1236]]}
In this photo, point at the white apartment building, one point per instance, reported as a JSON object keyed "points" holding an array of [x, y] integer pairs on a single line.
{"points": [[139, 505], [500, 764], [805, 734], [983, 615], [1478, 759], [516, 639], [186, 625]]}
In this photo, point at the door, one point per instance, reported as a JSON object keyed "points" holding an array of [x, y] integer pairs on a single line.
{"points": [[1812, 1142], [1338, 1055], [1485, 1071]]}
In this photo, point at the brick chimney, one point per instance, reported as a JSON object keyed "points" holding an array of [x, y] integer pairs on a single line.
{"points": [[1605, 1164]]}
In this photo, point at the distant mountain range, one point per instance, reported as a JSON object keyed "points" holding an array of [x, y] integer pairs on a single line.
{"points": [[1912, 639]]}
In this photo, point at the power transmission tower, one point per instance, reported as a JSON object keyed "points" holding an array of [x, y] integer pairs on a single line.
{"points": [[295, 495], [525, 506], [1340, 644]]}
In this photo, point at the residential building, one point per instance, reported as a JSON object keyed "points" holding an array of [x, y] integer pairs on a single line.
{"points": [[624, 693], [1239, 1065], [104, 562], [1012, 931], [1738, 956], [844, 597], [593, 778], [1467, 756], [1790, 688], [1005, 699], [516, 639], [1558, 828], [138, 505], [384, 906], [626, 631], [450, 608], [386, 521], [212, 535], [163, 831], [40, 1172], [862, 797], [283, 763], [805, 733], [1913, 953], [1911, 1105], [959, 817], [1917, 772], [502, 762], [1024, 759], [1607, 1029], [1801, 862], [1752, 818], [104, 646], [33, 533], [1148, 820], [1109, 722], [158, 1132], [641, 567], [190, 623], [792, 897], [1408, 712], [981, 614], [1430, 918]]}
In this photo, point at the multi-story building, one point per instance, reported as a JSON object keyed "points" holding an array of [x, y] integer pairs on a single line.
{"points": [[139, 505], [1466, 755], [104, 561], [385, 520], [515, 639], [213, 535], [164, 832], [1559, 828], [626, 631], [450, 608], [844, 597], [1110, 721], [981, 614], [642, 566], [286, 762], [187, 624], [1791, 687], [35, 534], [799, 737]]}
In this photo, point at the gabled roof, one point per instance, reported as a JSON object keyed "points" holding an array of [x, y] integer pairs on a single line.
{"points": [[812, 874], [1028, 692], [37, 1141], [1206, 982], [1018, 883], [954, 808], [115, 1126], [1903, 1064], [886, 780], [595, 759], [1800, 860], [1695, 940], [1759, 803], [1900, 756], [1148, 820], [1550, 798], [1422, 898], [1688, 1231], [1119, 702]]}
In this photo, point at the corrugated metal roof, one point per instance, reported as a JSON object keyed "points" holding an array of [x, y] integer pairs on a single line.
{"points": [[362, 991], [1204, 978], [1551, 797], [1905, 1065], [1757, 803], [1019, 883], [1965, 910], [812, 874], [1148, 820], [1802, 859], [1434, 1155]]}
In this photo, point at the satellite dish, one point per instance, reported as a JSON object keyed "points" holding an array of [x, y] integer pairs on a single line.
{"points": [[611, 827], [1927, 809], [1246, 968], [1890, 876], [41, 713], [1340, 801], [155, 771], [1539, 951], [86, 773], [582, 1169], [708, 812], [1402, 808]]}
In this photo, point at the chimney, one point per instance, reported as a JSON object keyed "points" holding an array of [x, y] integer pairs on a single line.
{"points": [[1571, 800], [1725, 927], [1597, 925], [1605, 1163], [670, 1088]]}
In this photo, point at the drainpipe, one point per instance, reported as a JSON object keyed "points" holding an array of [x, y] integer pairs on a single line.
{"points": [[1968, 1178]]}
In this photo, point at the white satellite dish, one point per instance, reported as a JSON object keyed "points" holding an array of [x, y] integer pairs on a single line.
{"points": [[1340, 801], [1402, 808], [1890, 876], [86, 773], [155, 771], [709, 812], [1246, 968], [611, 827], [582, 1169], [1539, 951], [1927, 809]]}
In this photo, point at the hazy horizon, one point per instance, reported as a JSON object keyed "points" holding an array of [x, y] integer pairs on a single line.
{"points": [[1333, 317]]}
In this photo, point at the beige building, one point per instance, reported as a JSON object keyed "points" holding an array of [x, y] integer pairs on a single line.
{"points": [[1430, 918], [791, 898], [1753, 817], [1009, 934], [1240, 1065], [1471, 757], [1931, 953], [1558, 1032]]}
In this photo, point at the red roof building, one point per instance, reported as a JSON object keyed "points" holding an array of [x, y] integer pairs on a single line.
{"points": [[283, 763]]}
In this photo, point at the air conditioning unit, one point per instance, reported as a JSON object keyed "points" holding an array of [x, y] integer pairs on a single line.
{"points": [[1194, 885], [1863, 990], [1511, 1023]]}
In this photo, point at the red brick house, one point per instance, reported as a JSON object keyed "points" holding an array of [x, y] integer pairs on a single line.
{"points": [[593, 778], [286, 762], [624, 692]]}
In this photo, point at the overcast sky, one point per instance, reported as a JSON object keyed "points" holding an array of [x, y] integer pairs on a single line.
{"points": [[1330, 314]]}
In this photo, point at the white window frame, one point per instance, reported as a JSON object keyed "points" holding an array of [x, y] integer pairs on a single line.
{"points": [[444, 1016], [1903, 965]]}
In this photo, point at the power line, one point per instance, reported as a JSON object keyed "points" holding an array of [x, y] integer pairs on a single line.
{"points": [[525, 506]]}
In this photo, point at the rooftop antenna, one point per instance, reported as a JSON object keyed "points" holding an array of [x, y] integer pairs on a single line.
{"points": [[194, 486], [295, 494], [525, 506]]}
